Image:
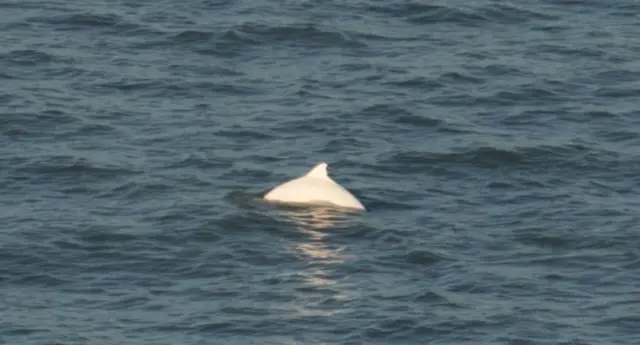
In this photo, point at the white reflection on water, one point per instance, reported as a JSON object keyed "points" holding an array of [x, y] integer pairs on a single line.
{"points": [[314, 222], [322, 257], [318, 218]]}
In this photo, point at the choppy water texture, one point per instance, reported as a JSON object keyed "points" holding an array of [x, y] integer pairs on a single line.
{"points": [[495, 143]]}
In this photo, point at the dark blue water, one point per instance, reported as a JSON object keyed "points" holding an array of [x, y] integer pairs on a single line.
{"points": [[496, 145]]}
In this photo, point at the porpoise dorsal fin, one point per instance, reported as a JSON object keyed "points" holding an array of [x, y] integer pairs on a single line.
{"points": [[319, 171]]}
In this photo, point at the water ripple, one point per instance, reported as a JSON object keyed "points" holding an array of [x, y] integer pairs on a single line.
{"points": [[494, 145]]}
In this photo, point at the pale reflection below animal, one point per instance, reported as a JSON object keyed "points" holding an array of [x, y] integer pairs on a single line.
{"points": [[314, 188], [311, 219]]}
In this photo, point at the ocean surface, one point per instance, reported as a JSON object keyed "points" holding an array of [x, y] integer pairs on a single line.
{"points": [[495, 144]]}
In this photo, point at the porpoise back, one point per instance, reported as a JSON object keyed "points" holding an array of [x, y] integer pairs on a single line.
{"points": [[315, 187]]}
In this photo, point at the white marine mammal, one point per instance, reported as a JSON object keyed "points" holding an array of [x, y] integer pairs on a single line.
{"points": [[315, 187]]}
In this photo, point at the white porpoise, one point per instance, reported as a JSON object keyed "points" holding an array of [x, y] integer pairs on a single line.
{"points": [[315, 187]]}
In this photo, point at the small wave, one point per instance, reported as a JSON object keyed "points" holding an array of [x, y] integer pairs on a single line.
{"points": [[417, 82], [454, 78], [202, 161], [244, 134], [627, 318], [239, 38], [618, 92], [510, 14], [72, 167], [185, 38], [306, 34], [130, 85], [568, 52], [242, 36], [432, 297], [435, 14], [229, 43], [193, 36], [555, 243], [388, 329], [423, 257], [86, 20], [402, 9], [103, 237], [161, 88], [484, 156], [441, 14], [389, 202], [495, 70], [127, 302], [418, 120], [250, 174], [95, 128], [526, 94], [531, 94], [28, 57], [31, 267], [41, 123], [345, 144], [133, 191], [617, 76], [24, 331], [622, 136], [368, 36], [42, 279], [235, 35], [558, 157]]}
